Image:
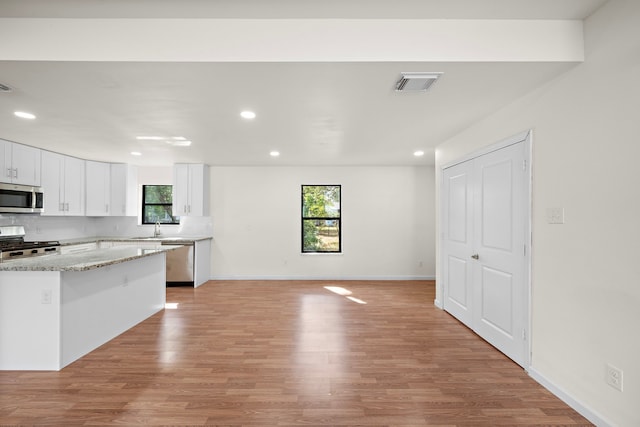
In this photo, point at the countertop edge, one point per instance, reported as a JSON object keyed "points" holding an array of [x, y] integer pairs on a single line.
{"points": [[75, 261], [172, 239]]}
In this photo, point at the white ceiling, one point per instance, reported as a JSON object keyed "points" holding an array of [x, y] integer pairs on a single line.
{"points": [[314, 113]]}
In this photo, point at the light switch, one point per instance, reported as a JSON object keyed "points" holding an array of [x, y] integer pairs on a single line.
{"points": [[555, 215]]}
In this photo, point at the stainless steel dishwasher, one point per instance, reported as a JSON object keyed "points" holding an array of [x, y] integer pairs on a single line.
{"points": [[180, 264]]}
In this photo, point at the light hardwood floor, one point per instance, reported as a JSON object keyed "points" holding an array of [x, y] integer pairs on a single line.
{"points": [[289, 353]]}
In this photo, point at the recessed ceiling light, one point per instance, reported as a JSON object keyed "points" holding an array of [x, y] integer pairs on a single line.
{"points": [[248, 115], [274, 153], [24, 115], [150, 138], [180, 143], [419, 153], [176, 141], [136, 153]]}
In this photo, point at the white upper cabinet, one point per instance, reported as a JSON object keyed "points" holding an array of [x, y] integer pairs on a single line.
{"points": [[190, 189], [20, 164], [98, 181], [63, 184], [124, 191]]}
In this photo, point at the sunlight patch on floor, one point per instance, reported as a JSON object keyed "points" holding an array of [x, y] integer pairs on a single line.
{"points": [[338, 290]]}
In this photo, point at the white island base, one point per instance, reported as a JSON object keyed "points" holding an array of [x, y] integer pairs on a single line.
{"points": [[48, 319]]}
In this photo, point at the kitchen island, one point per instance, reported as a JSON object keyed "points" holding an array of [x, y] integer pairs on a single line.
{"points": [[54, 309], [197, 262]]}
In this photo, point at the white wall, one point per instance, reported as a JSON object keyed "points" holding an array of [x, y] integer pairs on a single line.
{"points": [[586, 298], [387, 223]]}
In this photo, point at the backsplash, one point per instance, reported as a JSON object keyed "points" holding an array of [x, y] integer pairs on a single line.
{"points": [[50, 227], [62, 228]]}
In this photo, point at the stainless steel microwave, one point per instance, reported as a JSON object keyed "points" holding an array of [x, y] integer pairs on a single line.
{"points": [[15, 198]]}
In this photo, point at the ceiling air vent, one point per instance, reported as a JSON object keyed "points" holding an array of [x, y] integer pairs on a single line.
{"points": [[412, 82], [4, 88]]}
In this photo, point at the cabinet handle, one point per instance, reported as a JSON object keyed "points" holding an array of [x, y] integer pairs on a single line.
{"points": [[9, 172], [184, 209], [66, 207], [61, 207], [188, 208], [15, 173]]}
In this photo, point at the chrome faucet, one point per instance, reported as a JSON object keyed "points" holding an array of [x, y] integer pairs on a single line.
{"points": [[156, 230]]}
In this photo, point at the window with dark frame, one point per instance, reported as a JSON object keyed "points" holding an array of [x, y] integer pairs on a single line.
{"points": [[321, 219], [157, 203]]}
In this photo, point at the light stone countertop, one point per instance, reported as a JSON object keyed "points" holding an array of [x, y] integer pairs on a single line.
{"points": [[178, 240], [83, 261]]}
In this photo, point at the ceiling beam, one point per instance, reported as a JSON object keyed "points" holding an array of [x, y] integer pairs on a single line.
{"points": [[291, 40]]}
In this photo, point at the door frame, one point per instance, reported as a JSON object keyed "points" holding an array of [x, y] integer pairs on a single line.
{"points": [[525, 137]]}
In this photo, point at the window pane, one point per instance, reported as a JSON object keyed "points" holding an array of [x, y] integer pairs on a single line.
{"points": [[321, 201], [157, 194], [155, 213], [321, 235]]}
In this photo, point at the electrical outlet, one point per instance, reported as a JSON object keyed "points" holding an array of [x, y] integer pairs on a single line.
{"points": [[614, 377], [555, 215], [45, 297]]}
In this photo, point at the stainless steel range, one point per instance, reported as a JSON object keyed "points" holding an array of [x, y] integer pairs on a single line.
{"points": [[13, 246]]}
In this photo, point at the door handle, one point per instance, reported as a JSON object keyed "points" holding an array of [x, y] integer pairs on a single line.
{"points": [[475, 256]]}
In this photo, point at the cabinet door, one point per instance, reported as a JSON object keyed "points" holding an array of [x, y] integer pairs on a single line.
{"points": [[198, 190], [124, 190], [74, 186], [5, 161], [26, 165], [118, 189], [180, 190], [98, 188], [52, 179], [190, 189]]}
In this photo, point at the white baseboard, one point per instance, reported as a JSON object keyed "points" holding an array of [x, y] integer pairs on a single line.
{"points": [[438, 304], [307, 277], [562, 394]]}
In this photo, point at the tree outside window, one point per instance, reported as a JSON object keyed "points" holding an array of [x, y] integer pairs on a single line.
{"points": [[321, 222], [157, 201]]}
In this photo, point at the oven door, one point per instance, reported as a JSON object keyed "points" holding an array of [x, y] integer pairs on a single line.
{"points": [[16, 198]]}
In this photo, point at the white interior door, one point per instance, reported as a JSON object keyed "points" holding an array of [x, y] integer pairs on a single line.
{"points": [[458, 241], [499, 284], [495, 251]]}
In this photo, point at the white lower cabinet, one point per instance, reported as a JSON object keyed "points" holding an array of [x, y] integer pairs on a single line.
{"points": [[67, 314], [202, 262]]}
